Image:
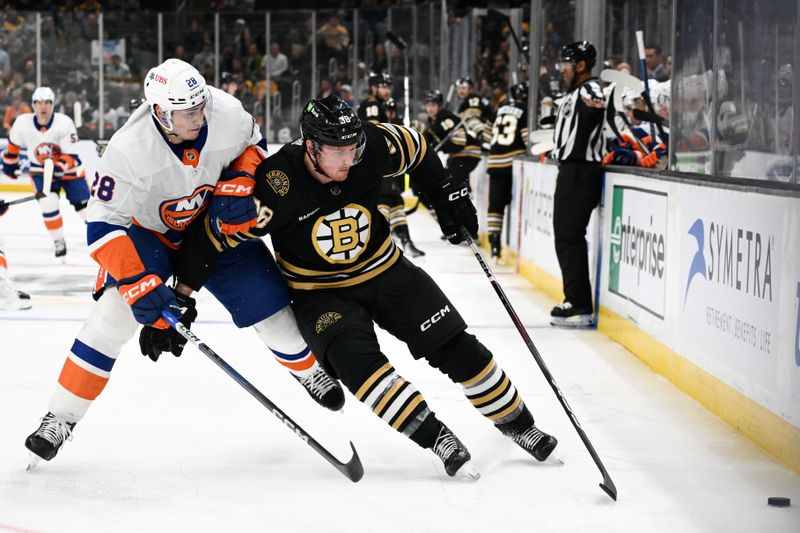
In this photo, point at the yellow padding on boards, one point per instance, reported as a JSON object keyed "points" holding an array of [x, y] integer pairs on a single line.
{"points": [[777, 436], [16, 187]]}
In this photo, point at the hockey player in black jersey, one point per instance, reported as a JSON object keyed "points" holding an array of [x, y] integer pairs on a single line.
{"points": [[317, 198], [458, 137], [391, 202], [380, 91], [509, 139], [475, 105]]}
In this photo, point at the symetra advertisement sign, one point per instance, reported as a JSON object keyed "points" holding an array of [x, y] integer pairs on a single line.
{"points": [[638, 244], [729, 280]]}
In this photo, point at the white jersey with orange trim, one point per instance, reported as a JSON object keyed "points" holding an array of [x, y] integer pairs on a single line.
{"points": [[57, 140], [142, 180]]}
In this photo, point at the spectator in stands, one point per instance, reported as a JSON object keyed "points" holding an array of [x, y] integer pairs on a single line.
{"points": [[334, 38], [204, 60], [380, 62], [346, 94], [624, 67], [117, 71], [252, 62], [275, 62], [5, 62], [180, 53], [654, 60], [325, 88], [193, 40], [17, 107]]}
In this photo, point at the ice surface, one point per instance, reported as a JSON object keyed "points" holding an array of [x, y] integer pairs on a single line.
{"points": [[178, 446]]}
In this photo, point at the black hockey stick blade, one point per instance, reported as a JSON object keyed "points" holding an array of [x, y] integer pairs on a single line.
{"points": [[546, 121], [607, 485], [396, 40], [352, 469], [646, 116]]}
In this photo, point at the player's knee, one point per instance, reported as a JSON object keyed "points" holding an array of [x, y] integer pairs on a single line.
{"points": [[49, 203], [110, 325], [279, 332], [461, 358], [353, 356]]}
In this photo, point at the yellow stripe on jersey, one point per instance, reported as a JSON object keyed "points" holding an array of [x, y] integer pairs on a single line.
{"points": [[308, 272], [410, 145], [349, 282]]}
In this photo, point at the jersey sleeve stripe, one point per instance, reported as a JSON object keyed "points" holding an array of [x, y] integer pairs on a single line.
{"points": [[117, 254]]}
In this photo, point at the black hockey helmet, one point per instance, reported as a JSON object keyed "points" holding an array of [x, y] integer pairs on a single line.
{"points": [[579, 51], [519, 91], [466, 80], [330, 121], [390, 105], [380, 78], [435, 96]]}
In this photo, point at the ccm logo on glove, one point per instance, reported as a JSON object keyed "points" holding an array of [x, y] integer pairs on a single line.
{"points": [[141, 288], [235, 189], [455, 195]]}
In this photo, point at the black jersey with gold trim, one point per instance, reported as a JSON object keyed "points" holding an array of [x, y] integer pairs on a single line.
{"points": [[509, 135], [324, 235], [464, 141], [474, 105], [371, 110]]}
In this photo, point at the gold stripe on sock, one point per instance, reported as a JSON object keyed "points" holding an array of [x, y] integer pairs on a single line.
{"points": [[510, 409], [388, 396], [408, 410], [488, 398], [482, 374], [363, 389]]}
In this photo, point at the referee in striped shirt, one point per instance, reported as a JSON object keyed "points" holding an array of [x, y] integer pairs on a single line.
{"points": [[579, 151]]}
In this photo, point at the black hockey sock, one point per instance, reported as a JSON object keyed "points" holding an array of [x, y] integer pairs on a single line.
{"points": [[428, 430], [517, 425]]}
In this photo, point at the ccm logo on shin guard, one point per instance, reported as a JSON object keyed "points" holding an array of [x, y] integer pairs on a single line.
{"points": [[438, 315]]}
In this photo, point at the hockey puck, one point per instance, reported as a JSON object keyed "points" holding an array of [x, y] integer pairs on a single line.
{"points": [[777, 501]]}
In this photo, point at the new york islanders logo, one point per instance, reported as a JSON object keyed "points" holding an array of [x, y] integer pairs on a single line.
{"points": [[45, 151], [178, 214]]}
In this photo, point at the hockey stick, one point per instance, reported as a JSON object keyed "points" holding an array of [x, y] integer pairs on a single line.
{"points": [[646, 116], [607, 485], [47, 182], [353, 469], [402, 45], [413, 209], [521, 49], [446, 137], [646, 94]]}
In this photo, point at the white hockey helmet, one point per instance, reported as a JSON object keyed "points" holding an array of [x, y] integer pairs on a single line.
{"points": [[43, 94], [174, 85]]}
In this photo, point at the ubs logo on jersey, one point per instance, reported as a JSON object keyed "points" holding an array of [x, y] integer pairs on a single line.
{"points": [[178, 214], [343, 235], [278, 181], [46, 151]]}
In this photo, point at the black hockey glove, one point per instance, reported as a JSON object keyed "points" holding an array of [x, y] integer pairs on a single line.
{"points": [[454, 209], [153, 341]]}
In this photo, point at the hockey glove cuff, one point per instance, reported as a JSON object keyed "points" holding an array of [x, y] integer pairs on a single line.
{"points": [[454, 209], [233, 208], [148, 296], [153, 341]]}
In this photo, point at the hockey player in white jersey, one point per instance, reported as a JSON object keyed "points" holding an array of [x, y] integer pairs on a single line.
{"points": [[48, 135], [157, 173], [10, 298]]}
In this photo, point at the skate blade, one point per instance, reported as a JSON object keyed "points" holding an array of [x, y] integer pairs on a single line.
{"points": [[468, 472], [33, 460], [571, 323]]}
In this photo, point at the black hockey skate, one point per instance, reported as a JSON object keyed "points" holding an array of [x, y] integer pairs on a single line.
{"points": [[536, 442], [60, 249], [454, 455], [325, 390], [494, 244], [48, 439], [409, 248]]}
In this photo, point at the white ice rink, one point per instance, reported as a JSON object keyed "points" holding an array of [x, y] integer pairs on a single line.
{"points": [[178, 446]]}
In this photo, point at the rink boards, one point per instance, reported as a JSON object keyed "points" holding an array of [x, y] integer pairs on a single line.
{"points": [[701, 283]]}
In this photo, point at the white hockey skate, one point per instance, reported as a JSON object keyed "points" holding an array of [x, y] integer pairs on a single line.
{"points": [[12, 299]]}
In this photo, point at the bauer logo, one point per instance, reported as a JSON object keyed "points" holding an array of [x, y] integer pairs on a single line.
{"points": [[178, 214], [638, 243]]}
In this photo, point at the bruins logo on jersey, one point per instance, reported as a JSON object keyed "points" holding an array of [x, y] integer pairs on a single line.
{"points": [[343, 235], [278, 181], [326, 320]]}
